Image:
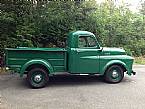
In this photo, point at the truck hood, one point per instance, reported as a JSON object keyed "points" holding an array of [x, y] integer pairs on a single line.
{"points": [[113, 51]]}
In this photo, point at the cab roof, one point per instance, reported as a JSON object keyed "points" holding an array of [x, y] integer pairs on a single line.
{"points": [[73, 37]]}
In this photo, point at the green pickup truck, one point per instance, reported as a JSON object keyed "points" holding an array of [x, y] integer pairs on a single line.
{"points": [[82, 55]]}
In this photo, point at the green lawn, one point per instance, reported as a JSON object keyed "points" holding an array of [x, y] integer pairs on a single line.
{"points": [[2, 70], [140, 60]]}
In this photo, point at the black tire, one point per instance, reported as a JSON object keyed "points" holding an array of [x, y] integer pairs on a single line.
{"points": [[37, 78], [114, 74]]}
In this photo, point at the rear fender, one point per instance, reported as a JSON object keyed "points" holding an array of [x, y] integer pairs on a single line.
{"points": [[36, 61]]}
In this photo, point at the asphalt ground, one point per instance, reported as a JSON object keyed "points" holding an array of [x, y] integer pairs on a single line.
{"points": [[74, 92]]}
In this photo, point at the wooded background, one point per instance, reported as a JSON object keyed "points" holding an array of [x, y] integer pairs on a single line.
{"points": [[40, 23]]}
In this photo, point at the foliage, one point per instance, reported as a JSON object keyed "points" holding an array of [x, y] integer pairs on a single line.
{"points": [[47, 23]]}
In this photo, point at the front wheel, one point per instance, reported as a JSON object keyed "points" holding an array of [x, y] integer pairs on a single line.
{"points": [[114, 74], [37, 78]]}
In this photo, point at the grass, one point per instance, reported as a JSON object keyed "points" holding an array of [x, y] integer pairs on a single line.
{"points": [[140, 60], [2, 70]]}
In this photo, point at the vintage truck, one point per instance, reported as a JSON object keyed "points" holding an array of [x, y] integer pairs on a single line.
{"points": [[82, 55]]}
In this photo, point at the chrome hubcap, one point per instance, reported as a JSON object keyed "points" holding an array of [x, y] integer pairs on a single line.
{"points": [[115, 74], [37, 78]]}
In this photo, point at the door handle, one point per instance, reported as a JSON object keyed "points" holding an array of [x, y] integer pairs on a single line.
{"points": [[78, 51]]}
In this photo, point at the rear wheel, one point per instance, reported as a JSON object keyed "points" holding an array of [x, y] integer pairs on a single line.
{"points": [[114, 74], [37, 78]]}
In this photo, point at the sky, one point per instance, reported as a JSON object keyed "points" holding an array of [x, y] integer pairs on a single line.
{"points": [[133, 4]]}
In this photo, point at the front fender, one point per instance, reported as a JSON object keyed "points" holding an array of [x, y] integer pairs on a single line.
{"points": [[112, 62], [36, 61]]}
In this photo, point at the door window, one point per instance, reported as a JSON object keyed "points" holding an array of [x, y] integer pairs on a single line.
{"points": [[86, 41], [82, 42], [91, 42]]}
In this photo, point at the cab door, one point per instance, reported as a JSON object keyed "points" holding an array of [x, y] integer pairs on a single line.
{"points": [[86, 56]]}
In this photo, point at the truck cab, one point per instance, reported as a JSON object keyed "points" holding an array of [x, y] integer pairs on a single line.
{"points": [[83, 55], [84, 51]]}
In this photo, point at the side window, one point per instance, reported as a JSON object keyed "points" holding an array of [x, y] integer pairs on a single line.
{"points": [[82, 42], [86, 41], [91, 42]]}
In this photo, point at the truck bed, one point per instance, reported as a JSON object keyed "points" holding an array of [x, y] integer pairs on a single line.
{"points": [[17, 57]]}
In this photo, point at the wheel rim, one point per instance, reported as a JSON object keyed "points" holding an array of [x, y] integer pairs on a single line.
{"points": [[37, 78], [115, 74]]}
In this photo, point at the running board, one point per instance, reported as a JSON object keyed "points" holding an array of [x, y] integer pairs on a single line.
{"points": [[67, 73]]}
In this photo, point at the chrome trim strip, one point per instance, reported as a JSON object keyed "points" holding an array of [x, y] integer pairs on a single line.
{"points": [[19, 59]]}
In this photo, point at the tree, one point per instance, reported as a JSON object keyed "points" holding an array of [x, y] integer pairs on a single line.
{"points": [[47, 23]]}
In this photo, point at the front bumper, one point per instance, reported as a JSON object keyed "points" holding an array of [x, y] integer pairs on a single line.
{"points": [[134, 73]]}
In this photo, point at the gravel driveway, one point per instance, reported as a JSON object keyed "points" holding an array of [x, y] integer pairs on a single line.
{"points": [[74, 92]]}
